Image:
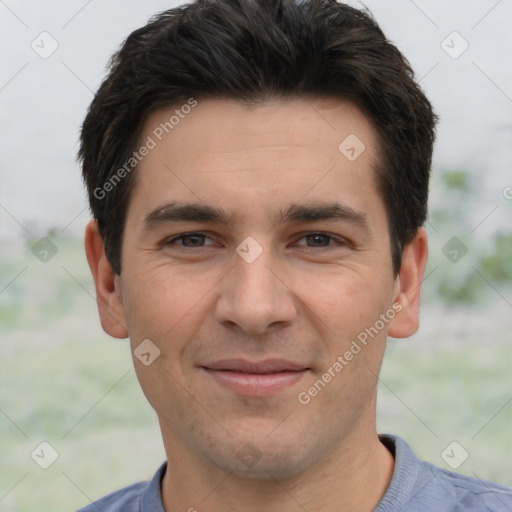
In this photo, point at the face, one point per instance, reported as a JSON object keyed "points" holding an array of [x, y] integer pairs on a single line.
{"points": [[270, 300]]}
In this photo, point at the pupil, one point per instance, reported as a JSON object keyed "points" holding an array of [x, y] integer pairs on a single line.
{"points": [[317, 237], [193, 237]]}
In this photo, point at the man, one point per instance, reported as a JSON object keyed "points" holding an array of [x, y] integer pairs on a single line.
{"points": [[258, 176]]}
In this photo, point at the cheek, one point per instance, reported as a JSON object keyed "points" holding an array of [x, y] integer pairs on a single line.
{"points": [[349, 309], [346, 301], [158, 301], [161, 305], [349, 306]]}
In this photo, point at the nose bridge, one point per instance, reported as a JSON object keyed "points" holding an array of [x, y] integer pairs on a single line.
{"points": [[257, 280], [254, 295]]}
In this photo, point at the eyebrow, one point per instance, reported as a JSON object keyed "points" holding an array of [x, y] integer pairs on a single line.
{"points": [[201, 213]]}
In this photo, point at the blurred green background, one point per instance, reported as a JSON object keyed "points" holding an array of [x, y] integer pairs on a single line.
{"points": [[65, 382]]}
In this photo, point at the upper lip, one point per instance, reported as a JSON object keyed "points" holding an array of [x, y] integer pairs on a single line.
{"points": [[266, 366]]}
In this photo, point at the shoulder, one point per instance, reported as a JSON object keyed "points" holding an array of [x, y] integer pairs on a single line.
{"points": [[417, 486], [127, 500], [138, 497], [471, 493]]}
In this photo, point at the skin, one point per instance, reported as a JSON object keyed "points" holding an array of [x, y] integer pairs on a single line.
{"points": [[303, 299]]}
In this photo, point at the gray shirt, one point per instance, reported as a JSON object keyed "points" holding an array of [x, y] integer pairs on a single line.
{"points": [[416, 486]]}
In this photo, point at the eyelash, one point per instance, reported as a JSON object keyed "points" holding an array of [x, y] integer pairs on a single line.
{"points": [[339, 241]]}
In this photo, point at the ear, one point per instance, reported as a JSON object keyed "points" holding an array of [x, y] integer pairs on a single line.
{"points": [[408, 287], [108, 284]]}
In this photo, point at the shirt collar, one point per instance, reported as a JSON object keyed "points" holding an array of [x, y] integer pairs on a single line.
{"points": [[151, 498], [399, 492], [405, 474]]}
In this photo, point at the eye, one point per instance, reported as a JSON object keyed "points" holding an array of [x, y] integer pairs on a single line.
{"points": [[317, 240], [190, 240], [321, 240]]}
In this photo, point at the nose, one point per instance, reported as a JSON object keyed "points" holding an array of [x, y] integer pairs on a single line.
{"points": [[255, 296]]}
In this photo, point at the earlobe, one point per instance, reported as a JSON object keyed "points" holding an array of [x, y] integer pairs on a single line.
{"points": [[408, 287], [108, 293]]}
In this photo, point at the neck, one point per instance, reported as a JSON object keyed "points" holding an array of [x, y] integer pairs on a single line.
{"points": [[355, 477]]}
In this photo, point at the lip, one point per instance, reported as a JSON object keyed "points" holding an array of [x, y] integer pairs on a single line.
{"points": [[250, 378]]}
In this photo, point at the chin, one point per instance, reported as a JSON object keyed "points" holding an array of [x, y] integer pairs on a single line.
{"points": [[261, 458], [270, 466]]}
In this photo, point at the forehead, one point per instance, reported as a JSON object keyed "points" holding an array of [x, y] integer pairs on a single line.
{"points": [[215, 123], [282, 150]]}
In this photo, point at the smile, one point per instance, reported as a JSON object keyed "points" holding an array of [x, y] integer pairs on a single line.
{"points": [[255, 379]]}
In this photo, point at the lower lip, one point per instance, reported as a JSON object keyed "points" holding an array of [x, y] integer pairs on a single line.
{"points": [[256, 384]]}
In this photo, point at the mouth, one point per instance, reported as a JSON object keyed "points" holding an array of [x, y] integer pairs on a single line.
{"points": [[248, 378]]}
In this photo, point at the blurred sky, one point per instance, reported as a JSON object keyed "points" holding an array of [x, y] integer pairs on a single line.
{"points": [[43, 101]]}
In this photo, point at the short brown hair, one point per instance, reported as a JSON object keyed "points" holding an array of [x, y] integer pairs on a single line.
{"points": [[252, 50]]}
